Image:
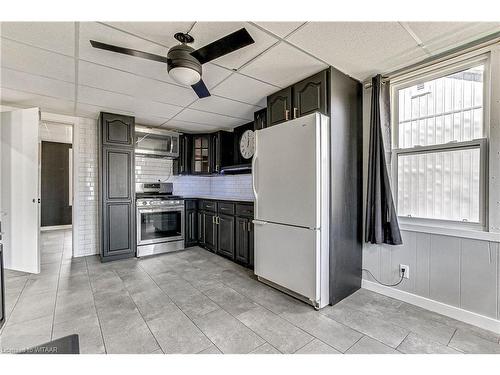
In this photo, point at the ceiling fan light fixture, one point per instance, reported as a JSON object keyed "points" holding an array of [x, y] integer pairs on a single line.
{"points": [[184, 75]]}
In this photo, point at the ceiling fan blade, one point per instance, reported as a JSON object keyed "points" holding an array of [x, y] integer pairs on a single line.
{"points": [[128, 51], [200, 89], [223, 46]]}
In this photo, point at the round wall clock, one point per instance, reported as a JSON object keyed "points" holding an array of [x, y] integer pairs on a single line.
{"points": [[247, 144]]}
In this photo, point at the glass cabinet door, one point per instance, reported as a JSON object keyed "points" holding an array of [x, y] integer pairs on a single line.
{"points": [[201, 154]]}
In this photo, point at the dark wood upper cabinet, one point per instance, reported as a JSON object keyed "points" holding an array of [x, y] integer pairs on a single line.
{"points": [[222, 150], [311, 95], [183, 164], [279, 106], [305, 97], [260, 119], [117, 130], [202, 154]]}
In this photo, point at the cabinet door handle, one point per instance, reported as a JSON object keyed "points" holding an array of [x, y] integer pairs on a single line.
{"points": [[244, 226], [218, 220], [213, 219], [249, 228], [295, 113], [287, 112]]}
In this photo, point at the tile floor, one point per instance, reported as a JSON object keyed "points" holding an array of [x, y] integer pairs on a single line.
{"points": [[197, 302]]}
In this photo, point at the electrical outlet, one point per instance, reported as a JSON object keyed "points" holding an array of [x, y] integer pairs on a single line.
{"points": [[406, 269]]}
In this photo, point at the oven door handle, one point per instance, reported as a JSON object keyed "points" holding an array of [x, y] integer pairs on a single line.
{"points": [[152, 210]]}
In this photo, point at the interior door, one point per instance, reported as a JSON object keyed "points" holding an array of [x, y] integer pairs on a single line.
{"points": [[286, 171], [19, 189]]}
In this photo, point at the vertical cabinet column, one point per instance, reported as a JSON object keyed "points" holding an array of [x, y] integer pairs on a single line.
{"points": [[116, 186]]}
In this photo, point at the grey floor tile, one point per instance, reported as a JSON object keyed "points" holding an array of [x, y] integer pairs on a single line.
{"points": [[228, 333], [317, 347], [153, 304], [178, 288], [30, 307], [195, 306], [74, 283], [367, 345], [178, 334], [415, 344], [15, 284], [399, 313], [331, 332], [230, 300], [470, 343], [88, 331], [211, 350], [41, 285], [67, 312], [21, 336], [381, 330], [132, 339], [280, 333], [265, 348]]}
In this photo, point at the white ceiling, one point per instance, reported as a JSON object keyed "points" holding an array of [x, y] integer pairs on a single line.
{"points": [[51, 65]]}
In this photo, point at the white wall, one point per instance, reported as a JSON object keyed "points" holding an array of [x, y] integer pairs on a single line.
{"points": [[456, 273]]}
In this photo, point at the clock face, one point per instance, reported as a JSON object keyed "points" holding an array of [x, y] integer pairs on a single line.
{"points": [[247, 144]]}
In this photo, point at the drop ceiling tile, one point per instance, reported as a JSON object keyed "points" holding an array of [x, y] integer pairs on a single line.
{"points": [[220, 121], [226, 107], [105, 34], [439, 36], [207, 32], [33, 60], [283, 65], [127, 83], [92, 111], [134, 106], [54, 36], [105, 99], [25, 99], [159, 32], [36, 84], [189, 127], [356, 48], [245, 89], [213, 74], [281, 29]]}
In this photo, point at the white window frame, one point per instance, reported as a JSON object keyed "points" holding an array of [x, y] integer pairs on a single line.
{"points": [[481, 143]]}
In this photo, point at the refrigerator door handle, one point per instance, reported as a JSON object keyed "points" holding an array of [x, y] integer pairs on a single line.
{"points": [[259, 222], [254, 175]]}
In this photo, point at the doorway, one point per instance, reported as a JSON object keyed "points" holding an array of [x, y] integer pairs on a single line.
{"points": [[56, 175]]}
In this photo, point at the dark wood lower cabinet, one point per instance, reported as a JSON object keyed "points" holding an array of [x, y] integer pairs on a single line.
{"points": [[191, 235], [225, 234], [210, 229], [222, 227]]}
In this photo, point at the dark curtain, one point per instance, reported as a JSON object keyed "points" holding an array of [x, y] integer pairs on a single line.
{"points": [[381, 219]]}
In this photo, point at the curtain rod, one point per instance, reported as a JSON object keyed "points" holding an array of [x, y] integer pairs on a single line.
{"points": [[483, 42]]}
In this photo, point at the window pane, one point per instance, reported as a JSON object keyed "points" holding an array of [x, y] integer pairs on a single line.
{"points": [[440, 185], [442, 110]]}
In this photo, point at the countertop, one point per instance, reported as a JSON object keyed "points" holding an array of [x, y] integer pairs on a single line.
{"points": [[216, 198]]}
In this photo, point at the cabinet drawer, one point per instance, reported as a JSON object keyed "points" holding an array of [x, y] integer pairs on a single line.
{"points": [[208, 206], [225, 208], [244, 209], [190, 204]]}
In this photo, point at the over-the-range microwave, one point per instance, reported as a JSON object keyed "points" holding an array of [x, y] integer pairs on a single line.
{"points": [[154, 142]]}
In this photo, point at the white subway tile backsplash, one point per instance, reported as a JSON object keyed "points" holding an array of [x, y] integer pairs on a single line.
{"points": [[223, 186]]}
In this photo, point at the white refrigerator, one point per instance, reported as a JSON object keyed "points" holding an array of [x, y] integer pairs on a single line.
{"points": [[291, 187]]}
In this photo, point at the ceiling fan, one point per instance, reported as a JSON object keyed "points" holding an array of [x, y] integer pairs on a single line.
{"points": [[184, 62]]}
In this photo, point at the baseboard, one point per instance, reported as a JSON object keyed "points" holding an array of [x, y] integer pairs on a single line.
{"points": [[55, 227], [438, 307]]}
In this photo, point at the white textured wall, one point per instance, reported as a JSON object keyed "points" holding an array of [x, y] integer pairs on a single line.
{"points": [[85, 234]]}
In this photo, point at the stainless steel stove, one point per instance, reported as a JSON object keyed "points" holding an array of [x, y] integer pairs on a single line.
{"points": [[160, 219]]}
